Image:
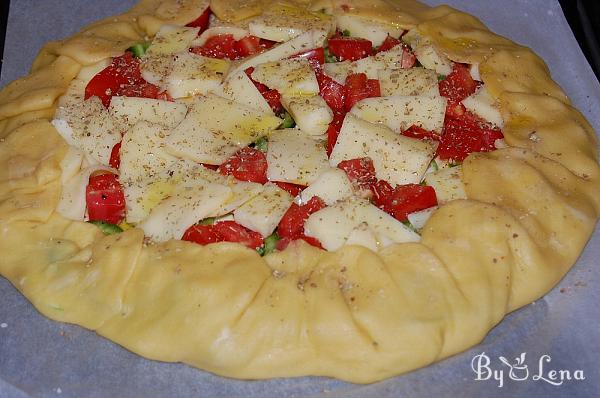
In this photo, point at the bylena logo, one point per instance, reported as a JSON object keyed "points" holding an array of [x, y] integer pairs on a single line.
{"points": [[518, 370]]}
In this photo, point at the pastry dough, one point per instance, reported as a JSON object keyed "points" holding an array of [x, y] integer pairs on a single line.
{"points": [[350, 314]]}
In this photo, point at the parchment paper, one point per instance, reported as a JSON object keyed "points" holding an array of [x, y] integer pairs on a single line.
{"points": [[39, 357]]}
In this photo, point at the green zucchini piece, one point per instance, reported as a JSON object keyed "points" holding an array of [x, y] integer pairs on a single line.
{"points": [[269, 245], [262, 144], [106, 228], [288, 121], [207, 221], [139, 49], [329, 59]]}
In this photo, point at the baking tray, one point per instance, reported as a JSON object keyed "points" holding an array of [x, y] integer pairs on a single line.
{"points": [[40, 357]]}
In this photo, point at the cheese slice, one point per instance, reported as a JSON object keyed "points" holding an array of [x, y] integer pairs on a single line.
{"points": [[130, 110], [190, 202], [238, 33], [408, 82], [334, 224], [309, 40], [242, 191], [87, 125], [171, 39], [483, 105], [400, 112], [418, 219], [263, 212], [364, 236], [282, 22], [448, 184], [291, 77], [331, 186], [86, 73], [397, 159], [311, 113], [295, 157], [391, 59], [215, 128], [193, 74], [238, 87], [432, 59], [375, 31]]}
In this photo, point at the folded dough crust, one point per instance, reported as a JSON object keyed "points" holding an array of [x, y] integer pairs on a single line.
{"points": [[351, 314]]}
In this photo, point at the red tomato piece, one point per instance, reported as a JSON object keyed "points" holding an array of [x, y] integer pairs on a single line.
{"points": [[202, 21], [459, 84], [274, 100], [220, 46], [282, 244], [408, 58], [317, 55], [140, 90], [225, 231], [259, 86], [230, 231], [358, 87], [123, 71], [210, 166], [464, 135], [403, 199], [292, 223], [201, 234], [420, 133], [334, 130], [248, 164], [105, 199], [292, 189], [360, 171], [350, 48], [332, 92], [248, 45], [115, 156], [388, 44], [266, 44]]}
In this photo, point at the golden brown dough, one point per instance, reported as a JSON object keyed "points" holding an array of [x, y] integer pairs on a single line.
{"points": [[351, 314]]}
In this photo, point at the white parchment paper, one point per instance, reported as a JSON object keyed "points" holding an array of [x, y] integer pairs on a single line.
{"points": [[39, 357]]}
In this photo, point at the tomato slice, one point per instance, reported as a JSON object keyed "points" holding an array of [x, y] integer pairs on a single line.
{"points": [[459, 84], [402, 200], [220, 46], [140, 90], [123, 71], [316, 55], [248, 164], [105, 199], [332, 92], [358, 87], [465, 135], [292, 189], [202, 21], [282, 244], [334, 130], [224, 231], [350, 48], [230, 231], [115, 156], [420, 133], [248, 45], [274, 100], [360, 171], [292, 223], [388, 44], [201, 234]]}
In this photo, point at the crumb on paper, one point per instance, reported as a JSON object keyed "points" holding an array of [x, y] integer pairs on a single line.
{"points": [[58, 390], [3, 325]]}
